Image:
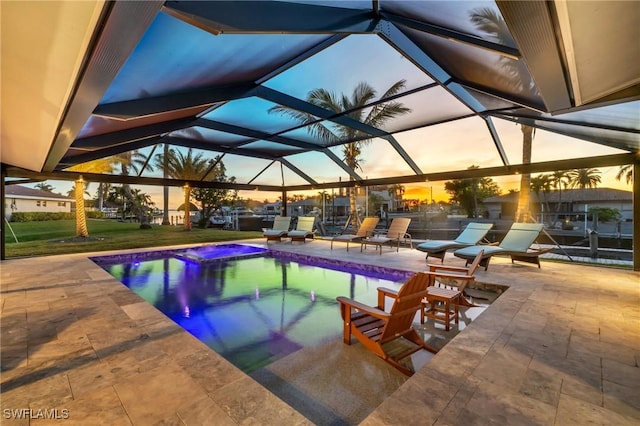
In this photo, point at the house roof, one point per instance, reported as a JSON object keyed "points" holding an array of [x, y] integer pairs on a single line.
{"points": [[132, 76], [26, 192], [568, 195]]}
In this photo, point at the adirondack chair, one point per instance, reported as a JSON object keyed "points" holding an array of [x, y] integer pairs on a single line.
{"points": [[378, 330]]}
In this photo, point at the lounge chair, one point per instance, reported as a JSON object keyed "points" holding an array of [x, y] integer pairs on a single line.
{"points": [[279, 229], [396, 233], [366, 229], [472, 235], [517, 244], [304, 229], [389, 335]]}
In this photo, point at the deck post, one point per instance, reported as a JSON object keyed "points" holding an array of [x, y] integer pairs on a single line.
{"points": [[635, 242], [283, 206], [3, 175]]}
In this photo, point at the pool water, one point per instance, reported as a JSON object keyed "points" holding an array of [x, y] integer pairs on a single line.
{"points": [[251, 310]]}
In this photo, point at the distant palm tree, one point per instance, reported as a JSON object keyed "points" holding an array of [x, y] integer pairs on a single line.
{"points": [[517, 76], [585, 178], [132, 161], [542, 184], [362, 95], [559, 180], [188, 167], [627, 172], [42, 186]]}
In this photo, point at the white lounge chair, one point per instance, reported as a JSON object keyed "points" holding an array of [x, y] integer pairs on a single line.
{"points": [[472, 235], [280, 229]]}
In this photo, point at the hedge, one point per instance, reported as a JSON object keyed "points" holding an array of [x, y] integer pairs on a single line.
{"points": [[42, 216]]}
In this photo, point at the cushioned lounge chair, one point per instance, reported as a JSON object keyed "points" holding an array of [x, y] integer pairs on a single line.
{"points": [[279, 229], [304, 229], [517, 244], [389, 335], [366, 230], [472, 235], [396, 233]]}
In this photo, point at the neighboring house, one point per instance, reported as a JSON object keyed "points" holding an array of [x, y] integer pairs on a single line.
{"points": [[567, 203], [20, 198], [305, 207]]}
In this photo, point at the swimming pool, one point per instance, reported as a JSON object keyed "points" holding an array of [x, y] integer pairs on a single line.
{"points": [[253, 307]]}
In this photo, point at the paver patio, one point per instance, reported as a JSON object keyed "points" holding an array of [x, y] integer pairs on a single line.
{"points": [[560, 346]]}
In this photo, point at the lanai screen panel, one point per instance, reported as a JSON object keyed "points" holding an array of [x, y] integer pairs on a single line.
{"points": [[379, 159], [174, 56], [268, 148], [547, 146], [215, 138], [453, 15], [278, 174], [427, 107], [614, 125], [341, 67], [245, 169], [451, 146], [100, 124], [320, 166], [253, 113], [480, 68], [339, 134]]}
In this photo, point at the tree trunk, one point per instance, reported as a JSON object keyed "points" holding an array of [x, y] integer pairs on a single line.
{"points": [[523, 212], [138, 211], [165, 189], [187, 208], [355, 218], [81, 218], [100, 196]]}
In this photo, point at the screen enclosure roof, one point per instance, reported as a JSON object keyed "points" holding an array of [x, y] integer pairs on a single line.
{"points": [[278, 89]]}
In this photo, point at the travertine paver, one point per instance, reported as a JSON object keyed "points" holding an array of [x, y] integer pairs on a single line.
{"points": [[560, 347]]}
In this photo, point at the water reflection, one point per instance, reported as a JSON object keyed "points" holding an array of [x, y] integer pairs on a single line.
{"points": [[251, 311]]}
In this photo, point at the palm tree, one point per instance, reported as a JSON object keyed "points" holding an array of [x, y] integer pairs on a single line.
{"points": [[491, 22], [627, 172], [42, 186], [188, 167], [132, 160], [559, 180], [96, 166], [362, 95], [165, 188], [542, 183], [585, 178]]}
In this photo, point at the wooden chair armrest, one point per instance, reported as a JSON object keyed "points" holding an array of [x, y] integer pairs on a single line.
{"points": [[388, 292], [433, 268], [353, 304], [452, 276]]}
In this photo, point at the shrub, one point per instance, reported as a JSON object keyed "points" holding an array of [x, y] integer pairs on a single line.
{"points": [[605, 214], [40, 216]]}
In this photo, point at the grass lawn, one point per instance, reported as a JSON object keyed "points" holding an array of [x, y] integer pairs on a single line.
{"points": [[58, 237]]}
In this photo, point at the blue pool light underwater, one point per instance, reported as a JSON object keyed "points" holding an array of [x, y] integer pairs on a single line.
{"points": [[255, 306]]}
